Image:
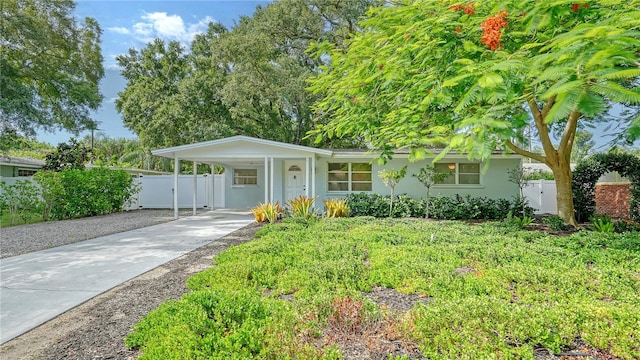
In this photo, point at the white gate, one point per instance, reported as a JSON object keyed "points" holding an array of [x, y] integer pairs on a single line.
{"points": [[541, 195], [156, 192]]}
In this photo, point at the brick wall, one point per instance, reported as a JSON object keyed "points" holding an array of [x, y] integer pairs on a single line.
{"points": [[613, 199]]}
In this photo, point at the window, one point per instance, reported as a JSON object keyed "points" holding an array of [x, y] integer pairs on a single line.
{"points": [[460, 173], [27, 172], [349, 177], [245, 177]]}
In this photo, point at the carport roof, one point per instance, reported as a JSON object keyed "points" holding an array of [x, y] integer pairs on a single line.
{"points": [[216, 149]]}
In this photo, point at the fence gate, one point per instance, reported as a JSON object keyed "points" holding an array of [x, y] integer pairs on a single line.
{"points": [[541, 195]]}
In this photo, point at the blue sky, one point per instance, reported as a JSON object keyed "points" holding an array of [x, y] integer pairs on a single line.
{"points": [[132, 24]]}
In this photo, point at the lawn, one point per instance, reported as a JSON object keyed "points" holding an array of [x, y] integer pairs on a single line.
{"points": [[474, 291], [29, 218]]}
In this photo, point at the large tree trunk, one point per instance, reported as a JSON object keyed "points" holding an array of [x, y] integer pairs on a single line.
{"points": [[564, 196]]}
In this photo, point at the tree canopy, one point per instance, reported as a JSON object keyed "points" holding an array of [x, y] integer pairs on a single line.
{"points": [[477, 74], [250, 80], [50, 66]]}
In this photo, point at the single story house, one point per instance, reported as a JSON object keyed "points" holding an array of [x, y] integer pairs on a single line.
{"points": [[12, 166], [258, 170]]}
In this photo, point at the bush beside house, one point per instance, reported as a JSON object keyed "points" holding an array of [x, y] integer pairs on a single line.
{"points": [[70, 193]]}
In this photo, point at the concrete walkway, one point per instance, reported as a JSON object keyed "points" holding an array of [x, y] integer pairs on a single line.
{"points": [[39, 286]]}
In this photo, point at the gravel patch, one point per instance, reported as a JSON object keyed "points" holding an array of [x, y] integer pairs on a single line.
{"points": [[22, 239]]}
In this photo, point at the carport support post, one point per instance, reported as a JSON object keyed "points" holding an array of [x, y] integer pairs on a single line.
{"points": [[176, 171], [195, 186], [313, 176], [271, 179], [266, 180], [307, 176]]}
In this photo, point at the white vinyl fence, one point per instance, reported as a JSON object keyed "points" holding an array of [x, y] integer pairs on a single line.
{"points": [[541, 195], [156, 192]]}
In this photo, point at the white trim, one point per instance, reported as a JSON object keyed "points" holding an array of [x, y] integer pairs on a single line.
{"points": [[173, 150]]}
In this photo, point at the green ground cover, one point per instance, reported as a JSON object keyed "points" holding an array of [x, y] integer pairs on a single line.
{"points": [[519, 290], [29, 218]]}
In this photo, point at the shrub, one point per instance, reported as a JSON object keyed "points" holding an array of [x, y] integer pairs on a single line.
{"points": [[267, 212], [626, 226], [302, 207], [519, 222], [554, 222], [76, 193], [21, 199], [336, 208], [602, 223], [444, 208]]}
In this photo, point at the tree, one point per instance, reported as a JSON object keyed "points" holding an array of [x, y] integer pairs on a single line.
{"points": [[391, 178], [583, 145], [477, 74], [50, 66], [250, 80], [518, 177], [429, 176], [73, 155], [167, 100], [267, 89]]}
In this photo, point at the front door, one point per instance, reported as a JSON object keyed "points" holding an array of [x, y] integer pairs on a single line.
{"points": [[296, 181]]}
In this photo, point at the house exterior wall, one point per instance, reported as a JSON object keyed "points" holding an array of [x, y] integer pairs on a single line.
{"points": [[493, 184], [7, 171], [243, 196]]}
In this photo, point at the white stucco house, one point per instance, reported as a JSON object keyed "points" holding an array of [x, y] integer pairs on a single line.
{"points": [[258, 170]]}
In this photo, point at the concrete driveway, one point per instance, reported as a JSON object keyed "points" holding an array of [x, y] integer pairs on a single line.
{"points": [[39, 286]]}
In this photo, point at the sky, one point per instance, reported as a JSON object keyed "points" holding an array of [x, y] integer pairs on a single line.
{"points": [[133, 24]]}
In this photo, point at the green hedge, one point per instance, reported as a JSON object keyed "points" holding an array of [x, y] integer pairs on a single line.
{"points": [[76, 193], [444, 208]]}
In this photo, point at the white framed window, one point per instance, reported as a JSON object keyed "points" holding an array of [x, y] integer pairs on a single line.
{"points": [[27, 172], [245, 176], [349, 177], [459, 173]]}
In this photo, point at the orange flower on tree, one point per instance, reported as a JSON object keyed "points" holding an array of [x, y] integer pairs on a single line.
{"points": [[492, 30]]}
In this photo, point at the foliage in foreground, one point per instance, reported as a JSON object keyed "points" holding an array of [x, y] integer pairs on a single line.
{"points": [[274, 297]]}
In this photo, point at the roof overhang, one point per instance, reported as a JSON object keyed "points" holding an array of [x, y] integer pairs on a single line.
{"points": [[238, 149]]}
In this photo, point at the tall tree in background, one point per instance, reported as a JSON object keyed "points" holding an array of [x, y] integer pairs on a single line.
{"points": [[476, 74], [250, 80], [267, 89], [173, 96], [50, 66], [582, 146]]}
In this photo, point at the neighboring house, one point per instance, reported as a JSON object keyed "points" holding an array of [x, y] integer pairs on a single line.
{"points": [[259, 170], [11, 166]]}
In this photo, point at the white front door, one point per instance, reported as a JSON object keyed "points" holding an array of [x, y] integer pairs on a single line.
{"points": [[296, 180]]}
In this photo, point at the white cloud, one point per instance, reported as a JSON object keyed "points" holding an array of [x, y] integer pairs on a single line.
{"points": [[168, 27], [111, 100], [119, 30]]}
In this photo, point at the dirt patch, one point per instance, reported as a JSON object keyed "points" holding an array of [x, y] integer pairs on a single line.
{"points": [[360, 338], [578, 350], [96, 329]]}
